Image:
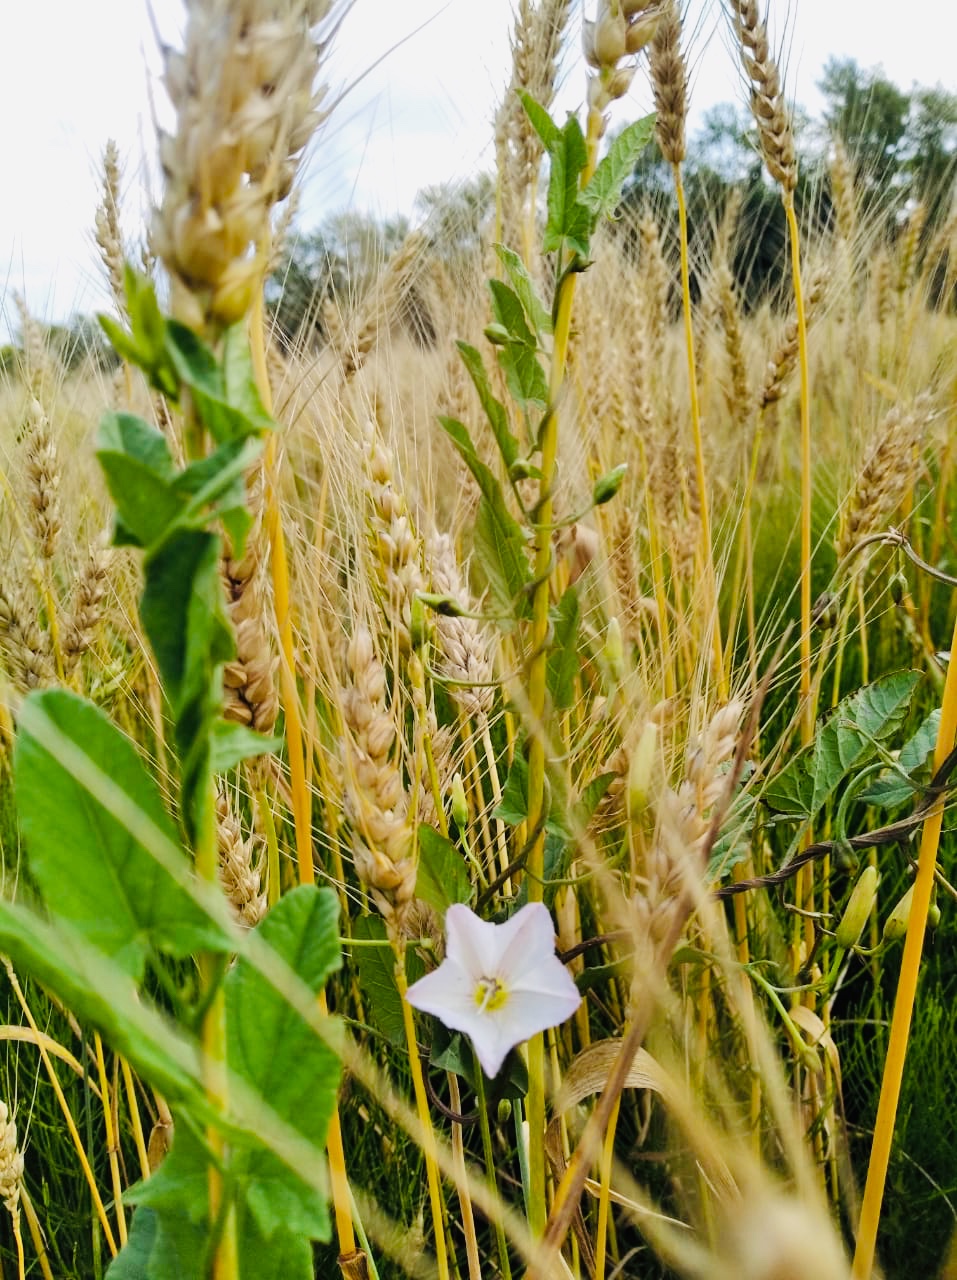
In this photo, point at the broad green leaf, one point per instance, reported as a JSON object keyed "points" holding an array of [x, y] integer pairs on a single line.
{"points": [[162, 1246], [524, 375], [844, 743], [274, 1050], [499, 540], [376, 965], [890, 789], [570, 223], [541, 121], [100, 993], [499, 546], [592, 797], [442, 877], [495, 411], [240, 380], [513, 807], [510, 314], [563, 657], [140, 476], [535, 310], [602, 194], [197, 366], [89, 867], [184, 615]]}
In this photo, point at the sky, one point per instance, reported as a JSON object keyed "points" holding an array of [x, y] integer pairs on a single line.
{"points": [[424, 78]]}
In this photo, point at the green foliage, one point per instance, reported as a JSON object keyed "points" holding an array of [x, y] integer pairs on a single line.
{"points": [[442, 878], [847, 741]]}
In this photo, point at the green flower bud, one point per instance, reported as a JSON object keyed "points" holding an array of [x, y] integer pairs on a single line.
{"points": [[460, 807], [858, 909], [418, 623], [641, 769], [895, 926], [607, 486], [504, 1110], [614, 650]]}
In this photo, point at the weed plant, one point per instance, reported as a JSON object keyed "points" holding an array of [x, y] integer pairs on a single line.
{"points": [[554, 575]]}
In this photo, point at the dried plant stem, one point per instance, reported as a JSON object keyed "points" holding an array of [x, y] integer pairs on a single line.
{"points": [[707, 555], [465, 1203], [906, 992]]}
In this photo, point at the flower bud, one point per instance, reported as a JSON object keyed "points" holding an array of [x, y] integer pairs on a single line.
{"points": [[611, 39], [641, 769], [641, 32], [607, 486], [895, 926], [614, 650], [504, 1110], [858, 909], [418, 623], [460, 807]]}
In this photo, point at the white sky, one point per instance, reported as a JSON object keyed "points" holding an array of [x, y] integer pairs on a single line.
{"points": [[76, 72]]}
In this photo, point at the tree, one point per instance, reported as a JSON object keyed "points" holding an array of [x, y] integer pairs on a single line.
{"points": [[869, 114]]}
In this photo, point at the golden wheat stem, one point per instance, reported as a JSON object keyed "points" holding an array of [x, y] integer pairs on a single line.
{"points": [[465, 1203], [139, 1138], [112, 1147], [607, 1156], [707, 554], [429, 1148], [301, 795], [36, 1234], [906, 991]]}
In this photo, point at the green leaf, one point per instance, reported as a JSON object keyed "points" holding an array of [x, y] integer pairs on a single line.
{"points": [[570, 223], [100, 993], [145, 344], [495, 411], [524, 375], [890, 789], [184, 616], [376, 965], [602, 194], [240, 379], [510, 314], [541, 121], [90, 868], [499, 540], [162, 1246], [232, 743], [563, 658], [535, 310], [197, 366], [140, 476], [500, 551], [844, 743], [442, 877], [513, 807], [272, 1048]]}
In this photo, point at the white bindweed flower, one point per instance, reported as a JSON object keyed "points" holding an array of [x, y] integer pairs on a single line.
{"points": [[499, 983]]}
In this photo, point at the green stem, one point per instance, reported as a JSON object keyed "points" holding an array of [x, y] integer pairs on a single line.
{"points": [[490, 1167], [537, 691]]}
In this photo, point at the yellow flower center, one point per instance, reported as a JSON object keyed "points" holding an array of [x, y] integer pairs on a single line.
{"points": [[490, 994]]}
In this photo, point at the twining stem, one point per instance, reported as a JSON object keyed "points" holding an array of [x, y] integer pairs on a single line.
{"points": [[906, 991], [706, 550], [537, 690]]}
